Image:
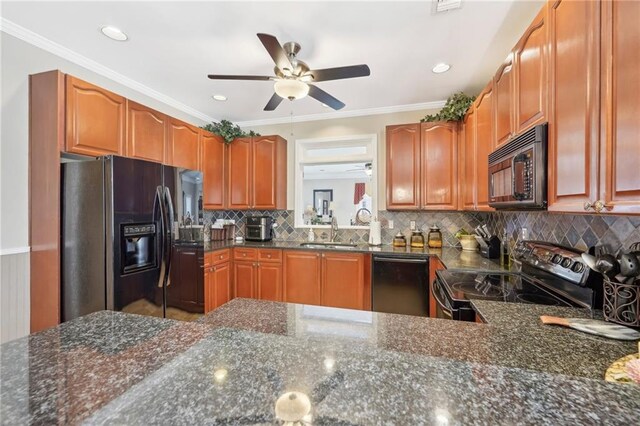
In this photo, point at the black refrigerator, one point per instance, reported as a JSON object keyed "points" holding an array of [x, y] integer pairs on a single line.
{"points": [[119, 230]]}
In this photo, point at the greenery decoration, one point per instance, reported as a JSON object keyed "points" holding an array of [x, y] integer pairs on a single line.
{"points": [[227, 130], [453, 110]]}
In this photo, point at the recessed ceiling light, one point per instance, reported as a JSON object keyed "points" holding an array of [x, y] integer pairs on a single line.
{"points": [[114, 33], [220, 98], [440, 68], [325, 105]]}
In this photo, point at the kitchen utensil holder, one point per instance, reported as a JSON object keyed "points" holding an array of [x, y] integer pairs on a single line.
{"points": [[622, 302]]}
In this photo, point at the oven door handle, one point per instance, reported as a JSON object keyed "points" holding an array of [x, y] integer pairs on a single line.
{"points": [[446, 310]]}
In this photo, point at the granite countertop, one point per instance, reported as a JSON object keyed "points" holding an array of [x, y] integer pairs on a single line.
{"points": [[451, 257], [356, 367]]}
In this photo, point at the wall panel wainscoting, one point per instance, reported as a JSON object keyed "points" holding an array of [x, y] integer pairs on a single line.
{"points": [[14, 294]]}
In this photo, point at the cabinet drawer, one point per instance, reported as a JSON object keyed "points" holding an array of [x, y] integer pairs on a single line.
{"points": [[245, 253], [270, 255], [217, 257]]}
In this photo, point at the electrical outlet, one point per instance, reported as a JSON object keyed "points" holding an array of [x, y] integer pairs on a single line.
{"points": [[524, 234], [390, 224], [412, 225]]}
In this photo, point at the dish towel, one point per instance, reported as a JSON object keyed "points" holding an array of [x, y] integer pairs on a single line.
{"points": [[359, 192]]}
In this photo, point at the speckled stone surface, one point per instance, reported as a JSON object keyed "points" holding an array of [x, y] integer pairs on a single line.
{"points": [[452, 257], [356, 367]]}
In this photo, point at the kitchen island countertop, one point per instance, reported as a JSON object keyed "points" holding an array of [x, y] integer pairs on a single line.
{"points": [[356, 367]]}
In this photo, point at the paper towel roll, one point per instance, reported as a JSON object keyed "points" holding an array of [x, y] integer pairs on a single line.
{"points": [[375, 233]]}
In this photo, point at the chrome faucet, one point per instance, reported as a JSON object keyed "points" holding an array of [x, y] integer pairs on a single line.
{"points": [[334, 229]]}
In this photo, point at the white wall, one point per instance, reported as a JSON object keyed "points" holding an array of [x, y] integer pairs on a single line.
{"points": [[341, 127]]}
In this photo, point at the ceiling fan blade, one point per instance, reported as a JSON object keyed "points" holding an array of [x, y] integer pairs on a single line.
{"points": [[276, 51], [322, 96], [273, 102], [239, 77], [339, 73]]}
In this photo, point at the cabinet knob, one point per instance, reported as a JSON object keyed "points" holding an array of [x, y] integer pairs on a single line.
{"points": [[268, 256], [244, 254], [221, 256], [597, 206]]}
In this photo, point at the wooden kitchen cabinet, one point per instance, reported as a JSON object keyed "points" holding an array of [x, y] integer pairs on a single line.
{"points": [[439, 166], [422, 166], [258, 273], [301, 277], [503, 88], [95, 119], [343, 281], [269, 282], [244, 278], [403, 167], [217, 289], [620, 107], [183, 145], [214, 156], [468, 163], [530, 55], [146, 134], [484, 144], [434, 265], [257, 173]]}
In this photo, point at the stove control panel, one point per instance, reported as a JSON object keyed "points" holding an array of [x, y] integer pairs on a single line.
{"points": [[561, 261]]}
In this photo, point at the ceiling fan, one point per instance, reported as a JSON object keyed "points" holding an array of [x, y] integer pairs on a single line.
{"points": [[366, 167], [293, 77]]}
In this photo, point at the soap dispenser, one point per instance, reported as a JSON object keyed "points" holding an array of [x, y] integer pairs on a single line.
{"points": [[311, 235]]}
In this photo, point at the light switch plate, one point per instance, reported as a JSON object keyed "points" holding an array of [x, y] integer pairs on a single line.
{"points": [[390, 224], [412, 225]]}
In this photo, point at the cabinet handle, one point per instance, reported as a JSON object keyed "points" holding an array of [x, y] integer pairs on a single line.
{"points": [[598, 206], [588, 205], [213, 269]]}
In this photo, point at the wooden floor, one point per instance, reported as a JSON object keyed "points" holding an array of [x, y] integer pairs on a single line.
{"points": [[144, 307]]}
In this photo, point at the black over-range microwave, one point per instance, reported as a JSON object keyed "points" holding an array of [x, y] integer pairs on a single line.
{"points": [[518, 172]]}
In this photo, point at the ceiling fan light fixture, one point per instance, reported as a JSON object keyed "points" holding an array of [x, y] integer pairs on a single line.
{"points": [[440, 68], [291, 89]]}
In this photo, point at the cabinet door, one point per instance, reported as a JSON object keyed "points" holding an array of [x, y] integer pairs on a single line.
{"points": [[343, 280], [574, 112], [183, 145], [269, 282], [503, 88], [263, 179], [222, 284], [146, 136], [244, 278], [468, 184], [403, 167], [439, 166], [301, 277], [95, 119], [434, 265], [531, 74], [239, 174], [209, 289], [620, 150], [213, 170], [484, 146]]}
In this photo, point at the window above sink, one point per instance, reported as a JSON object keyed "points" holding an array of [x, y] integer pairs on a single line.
{"points": [[336, 177]]}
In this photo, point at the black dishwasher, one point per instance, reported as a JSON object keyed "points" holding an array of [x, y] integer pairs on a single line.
{"points": [[400, 285]]}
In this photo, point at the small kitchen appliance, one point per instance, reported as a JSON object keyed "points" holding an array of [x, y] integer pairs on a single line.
{"points": [[259, 228]]}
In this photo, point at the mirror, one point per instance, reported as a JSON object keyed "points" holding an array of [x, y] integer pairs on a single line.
{"points": [[336, 178]]}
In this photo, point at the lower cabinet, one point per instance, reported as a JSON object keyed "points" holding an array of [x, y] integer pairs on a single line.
{"points": [[434, 265], [257, 274], [217, 280], [327, 278]]}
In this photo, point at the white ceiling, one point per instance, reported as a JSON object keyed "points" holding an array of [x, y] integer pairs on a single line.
{"points": [[174, 45]]}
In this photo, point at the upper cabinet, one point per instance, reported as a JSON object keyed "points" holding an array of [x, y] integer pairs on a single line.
{"points": [[620, 108], [503, 84], [146, 136], [484, 144], [214, 156], [183, 145], [530, 55], [95, 119], [403, 167], [422, 166], [257, 173], [468, 163], [439, 161]]}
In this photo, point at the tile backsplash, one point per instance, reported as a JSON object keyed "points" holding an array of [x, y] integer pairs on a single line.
{"points": [[580, 231]]}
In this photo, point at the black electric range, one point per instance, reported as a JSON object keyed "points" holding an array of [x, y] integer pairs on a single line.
{"points": [[549, 275]]}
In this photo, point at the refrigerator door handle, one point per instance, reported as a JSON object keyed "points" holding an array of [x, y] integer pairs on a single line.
{"points": [[169, 248], [163, 228]]}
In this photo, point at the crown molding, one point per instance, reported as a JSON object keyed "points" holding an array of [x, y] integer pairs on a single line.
{"points": [[344, 114], [50, 46]]}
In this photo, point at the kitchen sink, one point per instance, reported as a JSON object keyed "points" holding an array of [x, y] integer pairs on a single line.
{"points": [[329, 245]]}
